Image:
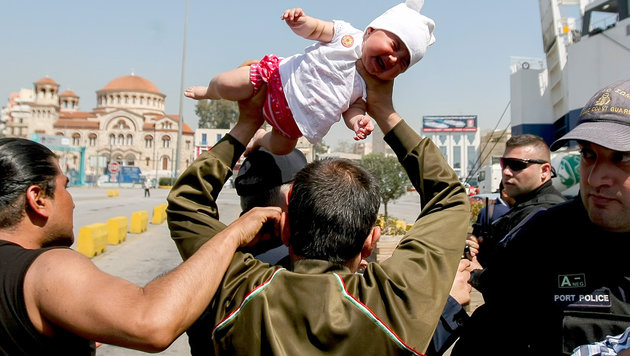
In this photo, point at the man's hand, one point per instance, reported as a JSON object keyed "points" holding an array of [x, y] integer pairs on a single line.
{"points": [[247, 227], [473, 244], [460, 291], [379, 99]]}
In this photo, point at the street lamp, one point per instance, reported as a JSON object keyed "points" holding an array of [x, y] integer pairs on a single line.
{"points": [[181, 94]]}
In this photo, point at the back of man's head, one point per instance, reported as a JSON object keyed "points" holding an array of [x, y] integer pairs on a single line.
{"points": [[332, 208], [262, 174], [23, 163], [541, 148]]}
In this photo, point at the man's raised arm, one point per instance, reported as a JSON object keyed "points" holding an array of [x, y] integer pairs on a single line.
{"points": [[192, 213], [426, 259]]}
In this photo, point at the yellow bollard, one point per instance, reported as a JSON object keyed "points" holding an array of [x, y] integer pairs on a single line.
{"points": [[139, 222], [92, 239], [159, 214], [117, 230]]}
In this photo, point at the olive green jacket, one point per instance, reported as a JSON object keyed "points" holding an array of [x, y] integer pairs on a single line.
{"points": [[317, 307]]}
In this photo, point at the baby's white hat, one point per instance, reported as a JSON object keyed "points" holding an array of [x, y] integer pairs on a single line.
{"points": [[413, 29]]}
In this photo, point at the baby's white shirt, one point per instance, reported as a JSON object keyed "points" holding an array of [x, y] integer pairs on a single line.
{"points": [[321, 83]]}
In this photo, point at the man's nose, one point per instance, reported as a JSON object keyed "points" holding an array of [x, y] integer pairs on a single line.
{"points": [[599, 174]]}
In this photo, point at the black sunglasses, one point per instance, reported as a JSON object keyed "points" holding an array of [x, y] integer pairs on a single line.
{"points": [[518, 164]]}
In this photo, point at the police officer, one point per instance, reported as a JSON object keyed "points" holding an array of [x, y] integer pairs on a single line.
{"points": [[564, 279]]}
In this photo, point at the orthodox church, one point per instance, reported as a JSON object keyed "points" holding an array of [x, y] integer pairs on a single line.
{"points": [[128, 125]]}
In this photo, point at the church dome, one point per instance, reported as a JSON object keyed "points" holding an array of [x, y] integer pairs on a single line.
{"points": [[131, 83], [69, 93], [46, 80]]}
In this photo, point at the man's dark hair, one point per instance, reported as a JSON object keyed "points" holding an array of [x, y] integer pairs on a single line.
{"points": [[332, 208], [529, 140], [265, 197], [23, 163]]}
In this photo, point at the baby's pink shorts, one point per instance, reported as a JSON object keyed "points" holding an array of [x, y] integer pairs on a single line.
{"points": [[276, 110]]}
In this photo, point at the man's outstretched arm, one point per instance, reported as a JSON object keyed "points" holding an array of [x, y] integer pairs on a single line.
{"points": [[192, 213]]}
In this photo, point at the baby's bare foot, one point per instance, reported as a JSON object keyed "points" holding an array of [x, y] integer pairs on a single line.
{"points": [[197, 93]]}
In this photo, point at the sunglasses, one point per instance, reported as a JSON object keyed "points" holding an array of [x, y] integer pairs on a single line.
{"points": [[518, 164]]}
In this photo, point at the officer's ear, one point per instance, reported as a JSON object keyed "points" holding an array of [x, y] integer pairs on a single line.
{"points": [[546, 171]]}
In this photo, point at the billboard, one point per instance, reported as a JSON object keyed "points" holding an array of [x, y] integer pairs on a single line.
{"points": [[458, 123]]}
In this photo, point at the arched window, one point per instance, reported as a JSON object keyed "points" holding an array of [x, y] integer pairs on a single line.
{"points": [[165, 163], [112, 139], [129, 140], [121, 140], [92, 139], [76, 139], [166, 141], [148, 141], [148, 161], [122, 125]]}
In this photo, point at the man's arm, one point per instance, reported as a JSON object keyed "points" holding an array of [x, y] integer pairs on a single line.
{"points": [[426, 259], [64, 288], [308, 27], [192, 212]]}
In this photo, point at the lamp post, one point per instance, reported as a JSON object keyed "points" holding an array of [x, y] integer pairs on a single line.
{"points": [[181, 94], [154, 142]]}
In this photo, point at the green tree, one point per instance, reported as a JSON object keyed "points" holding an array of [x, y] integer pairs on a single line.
{"points": [[216, 114], [321, 147], [389, 174]]}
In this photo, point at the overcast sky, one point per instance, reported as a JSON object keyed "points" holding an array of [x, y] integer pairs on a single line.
{"points": [[83, 45]]}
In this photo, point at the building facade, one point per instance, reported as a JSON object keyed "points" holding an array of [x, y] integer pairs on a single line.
{"points": [[128, 126], [457, 137]]}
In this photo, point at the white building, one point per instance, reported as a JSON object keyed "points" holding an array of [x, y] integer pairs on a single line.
{"points": [[457, 137], [582, 56], [128, 125], [205, 139]]}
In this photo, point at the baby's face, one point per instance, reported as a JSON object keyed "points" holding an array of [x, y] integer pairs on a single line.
{"points": [[384, 54]]}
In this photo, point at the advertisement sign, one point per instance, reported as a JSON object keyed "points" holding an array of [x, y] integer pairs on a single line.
{"points": [[458, 123]]}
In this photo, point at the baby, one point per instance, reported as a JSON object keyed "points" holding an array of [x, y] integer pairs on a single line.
{"points": [[308, 92]]}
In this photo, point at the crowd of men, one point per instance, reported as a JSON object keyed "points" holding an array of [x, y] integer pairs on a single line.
{"points": [[289, 276]]}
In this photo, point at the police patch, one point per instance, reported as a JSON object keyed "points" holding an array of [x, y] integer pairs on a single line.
{"points": [[599, 298], [571, 280]]}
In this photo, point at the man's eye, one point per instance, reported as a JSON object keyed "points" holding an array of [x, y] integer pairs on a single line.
{"points": [[587, 154], [621, 157]]}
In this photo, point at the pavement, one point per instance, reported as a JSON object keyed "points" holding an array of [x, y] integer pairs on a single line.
{"points": [[140, 259]]}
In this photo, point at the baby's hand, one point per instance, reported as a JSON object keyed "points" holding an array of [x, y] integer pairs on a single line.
{"points": [[363, 127], [293, 17]]}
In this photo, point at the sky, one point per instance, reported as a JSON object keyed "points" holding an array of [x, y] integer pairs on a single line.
{"points": [[83, 45]]}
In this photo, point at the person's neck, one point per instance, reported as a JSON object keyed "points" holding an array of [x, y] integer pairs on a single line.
{"points": [[29, 238], [527, 196], [352, 264]]}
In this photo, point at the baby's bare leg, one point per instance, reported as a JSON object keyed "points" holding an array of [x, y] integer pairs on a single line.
{"points": [[233, 85], [272, 141]]}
